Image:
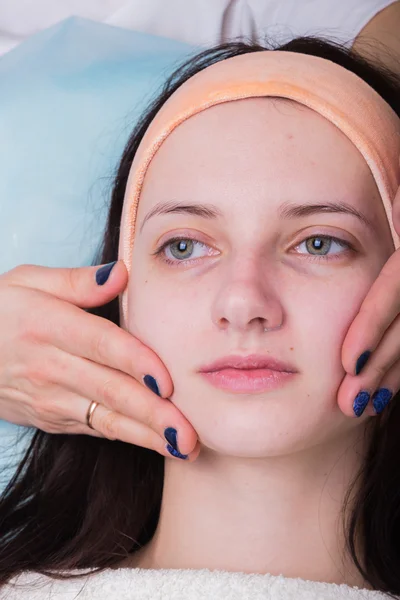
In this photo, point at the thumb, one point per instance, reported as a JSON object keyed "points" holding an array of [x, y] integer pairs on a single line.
{"points": [[85, 287]]}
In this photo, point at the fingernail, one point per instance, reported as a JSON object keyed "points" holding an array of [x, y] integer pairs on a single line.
{"points": [[103, 273], [151, 384], [362, 360], [175, 453], [381, 399], [360, 402], [170, 435]]}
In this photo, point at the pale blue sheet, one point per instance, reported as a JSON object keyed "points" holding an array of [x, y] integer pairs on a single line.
{"points": [[69, 97]]}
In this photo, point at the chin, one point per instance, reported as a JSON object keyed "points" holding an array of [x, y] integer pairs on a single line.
{"points": [[250, 446]]}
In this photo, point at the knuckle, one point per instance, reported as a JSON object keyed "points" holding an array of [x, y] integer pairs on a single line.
{"points": [[109, 426], [148, 418], [36, 374], [43, 371], [109, 394], [73, 279], [101, 342], [39, 412], [19, 274], [50, 427], [379, 372], [31, 325], [27, 330], [148, 440], [16, 374], [43, 416]]}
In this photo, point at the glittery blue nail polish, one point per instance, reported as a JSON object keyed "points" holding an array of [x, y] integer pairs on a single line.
{"points": [[170, 435], [360, 402], [362, 360], [174, 452], [381, 399]]}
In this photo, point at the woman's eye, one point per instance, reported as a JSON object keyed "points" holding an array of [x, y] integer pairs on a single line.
{"points": [[320, 245], [183, 249]]}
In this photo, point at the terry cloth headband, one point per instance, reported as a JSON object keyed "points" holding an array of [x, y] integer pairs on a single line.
{"points": [[328, 88]]}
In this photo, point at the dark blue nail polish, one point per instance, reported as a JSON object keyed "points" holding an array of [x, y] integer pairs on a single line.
{"points": [[170, 435], [103, 273], [174, 452], [362, 360], [381, 399], [151, 384], [360, 402]]}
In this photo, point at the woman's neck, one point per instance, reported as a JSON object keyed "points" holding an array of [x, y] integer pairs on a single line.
{"points": [[280, 515]]}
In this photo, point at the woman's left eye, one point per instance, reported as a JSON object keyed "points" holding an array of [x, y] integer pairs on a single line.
{"points": [[319, 242], [180, 246]]}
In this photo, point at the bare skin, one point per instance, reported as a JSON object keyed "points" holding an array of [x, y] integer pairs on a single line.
{"points": [[266, 492], [383, 28]]}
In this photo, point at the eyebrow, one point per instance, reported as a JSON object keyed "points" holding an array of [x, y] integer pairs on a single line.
{"points": [[286, 211]]}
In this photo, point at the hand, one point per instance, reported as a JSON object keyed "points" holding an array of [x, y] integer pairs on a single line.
{"points": [[55, 358], [375, 329]]}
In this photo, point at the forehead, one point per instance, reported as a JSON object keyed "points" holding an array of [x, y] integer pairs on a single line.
{"points": [[273, 142]]}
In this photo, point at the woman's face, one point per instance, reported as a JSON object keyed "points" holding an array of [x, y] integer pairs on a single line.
{"points": [[251, 267]]}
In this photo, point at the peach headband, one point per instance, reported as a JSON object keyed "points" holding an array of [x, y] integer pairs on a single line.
{"points": [[331, 90]]}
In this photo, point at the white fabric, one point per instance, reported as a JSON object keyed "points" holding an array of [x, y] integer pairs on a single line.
{"points": [[175, 584], [197, 22]]}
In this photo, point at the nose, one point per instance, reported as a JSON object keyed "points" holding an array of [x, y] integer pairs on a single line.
{"points": [[247, 303]]}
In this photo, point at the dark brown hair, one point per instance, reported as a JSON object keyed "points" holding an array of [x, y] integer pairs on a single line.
{"points": [[79, 502]]}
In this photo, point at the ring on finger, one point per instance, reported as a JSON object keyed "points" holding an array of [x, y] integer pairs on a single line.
{"points": [[89, 415]]}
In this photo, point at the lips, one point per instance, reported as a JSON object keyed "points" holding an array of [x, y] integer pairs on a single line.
{"points": [[248, 381], [249, 362]]}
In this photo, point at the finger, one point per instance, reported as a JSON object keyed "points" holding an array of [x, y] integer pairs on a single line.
{"points": [[68, 415], [378, 310], [117, 392], [54, 415], [82, 334], [117, 427], [383, 393], [380, 364], [76, 286]]}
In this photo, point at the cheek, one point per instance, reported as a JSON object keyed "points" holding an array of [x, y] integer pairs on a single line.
{"points": [[164, 317], [322, 324]]}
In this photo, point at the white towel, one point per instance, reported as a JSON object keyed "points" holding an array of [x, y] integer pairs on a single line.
{"points": [[180, 584]]}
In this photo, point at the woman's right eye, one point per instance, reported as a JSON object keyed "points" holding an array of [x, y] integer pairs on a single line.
{"points": [[179, 247]]}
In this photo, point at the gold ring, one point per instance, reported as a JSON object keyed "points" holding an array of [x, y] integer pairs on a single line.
{"points": [[92, 407]]}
